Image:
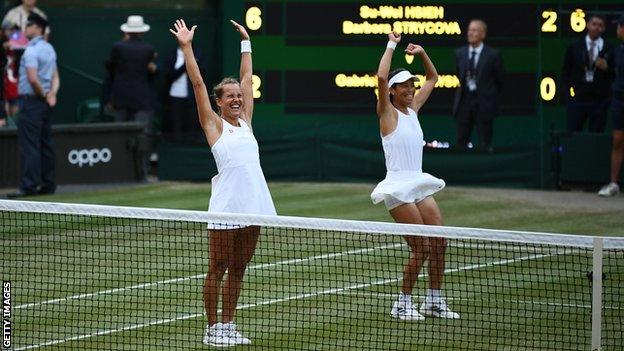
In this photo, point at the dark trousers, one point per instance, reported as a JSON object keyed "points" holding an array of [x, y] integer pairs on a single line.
{"points": [[145, 145], [468, 115], [34, 132], [593, 111], [181, 118]]}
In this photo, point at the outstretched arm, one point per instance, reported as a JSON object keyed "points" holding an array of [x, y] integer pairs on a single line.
{"points": [[383, 103], [385, 111], [245, 73], [209, 120], [431, 76]]}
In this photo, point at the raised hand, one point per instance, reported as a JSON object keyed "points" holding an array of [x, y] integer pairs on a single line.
{"points": [[182, 33], [394, 36], [414, 49], [241, 30]]}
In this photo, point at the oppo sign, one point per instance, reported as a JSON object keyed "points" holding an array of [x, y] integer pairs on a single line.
{"points": [[89, 156]]}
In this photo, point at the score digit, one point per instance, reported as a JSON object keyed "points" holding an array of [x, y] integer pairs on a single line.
{"points": [[253, 18], [550, 25], [548, 88], [256, 82], [577, 20]]}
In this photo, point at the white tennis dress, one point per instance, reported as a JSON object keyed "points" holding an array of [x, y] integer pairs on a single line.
{"points": [[239, 186], [403, 148]]}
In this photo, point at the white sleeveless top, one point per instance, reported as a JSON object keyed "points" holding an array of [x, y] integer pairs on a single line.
{"points": [[403, 149], [239, 187]]}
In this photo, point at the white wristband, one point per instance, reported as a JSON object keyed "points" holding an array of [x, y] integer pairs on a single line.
{"points": [[245, 46], [391, 44]]}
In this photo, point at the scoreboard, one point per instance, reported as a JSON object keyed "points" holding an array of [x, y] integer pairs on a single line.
{"points": [[314, 84], [559, 25], [320, 57], [315, 87]]}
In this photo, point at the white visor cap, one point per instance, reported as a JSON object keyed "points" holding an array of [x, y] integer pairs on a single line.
{"points": [[401, 77]]}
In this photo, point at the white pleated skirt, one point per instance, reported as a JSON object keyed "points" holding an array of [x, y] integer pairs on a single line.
{"points": [[406, 186]]}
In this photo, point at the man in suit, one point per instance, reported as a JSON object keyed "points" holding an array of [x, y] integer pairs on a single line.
{"points": [[132, 68], [587, 76], [180, 120], [480, 71], [131, 63]]}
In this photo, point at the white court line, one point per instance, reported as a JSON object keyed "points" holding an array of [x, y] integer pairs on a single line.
{"points": [[258, 266], [528, 302], [274, 301], [201, 276]]}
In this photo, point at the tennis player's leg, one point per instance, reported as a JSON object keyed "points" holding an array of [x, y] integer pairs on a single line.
{"points": [[617, 149], [221, 247], [617, 153], [431, 215], [419, 246], [435, 304], [419, 251], [244, 246]]}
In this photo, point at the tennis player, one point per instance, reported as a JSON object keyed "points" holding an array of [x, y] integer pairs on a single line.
{"points": [[239, 186], [407, 191]]}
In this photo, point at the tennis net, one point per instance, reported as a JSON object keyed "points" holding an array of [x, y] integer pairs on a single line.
{"points": [[103, 277]]}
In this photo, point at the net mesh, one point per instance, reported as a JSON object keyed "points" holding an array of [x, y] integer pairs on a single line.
{"points": [[95, 277]]}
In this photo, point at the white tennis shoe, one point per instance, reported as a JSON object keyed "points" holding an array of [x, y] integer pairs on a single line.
{"points": [[216, 336], [224, 335], [439, 309], [609, 190], [234, 335], [405, 310]]}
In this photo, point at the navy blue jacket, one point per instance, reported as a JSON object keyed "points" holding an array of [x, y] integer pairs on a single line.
{"points": [[489, 78], [576, 61], [131, 81]]}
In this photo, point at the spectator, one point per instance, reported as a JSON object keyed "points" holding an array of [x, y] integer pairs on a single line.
{"points": [[617, 113], [38, 85], [19, 15], [132, 67], [14, 49], [180, 108], [588, 71], [4, 36], [106, 108], [480, 71]]}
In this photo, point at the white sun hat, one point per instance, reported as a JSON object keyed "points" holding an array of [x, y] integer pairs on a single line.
{"points": [[401, 77], [135, 24]]}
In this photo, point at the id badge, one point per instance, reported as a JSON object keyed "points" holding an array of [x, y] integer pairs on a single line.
{"points": [[472, 84], [589, 76]]}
